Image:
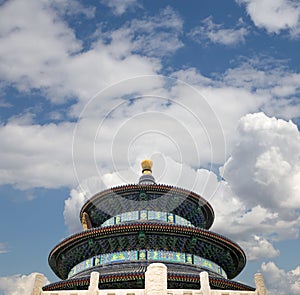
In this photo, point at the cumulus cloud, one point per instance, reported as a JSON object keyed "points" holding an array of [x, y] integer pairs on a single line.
{"points": [[275, 15], [261, 196], [270, 167], [216, 33], [259, 247], [280, 282], [254, 229], [18, 284]]}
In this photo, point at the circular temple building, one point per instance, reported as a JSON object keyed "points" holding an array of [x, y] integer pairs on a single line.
{"points": [[128, 227]]}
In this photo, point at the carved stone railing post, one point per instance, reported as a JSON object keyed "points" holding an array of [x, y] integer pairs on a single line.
{"points": [[205, 287], [38, 284], [94, 281], [156, 279], [260, 284]]}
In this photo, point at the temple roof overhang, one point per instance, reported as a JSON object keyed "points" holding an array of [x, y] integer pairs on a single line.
{"points": [[147, 235], [157, 197]]}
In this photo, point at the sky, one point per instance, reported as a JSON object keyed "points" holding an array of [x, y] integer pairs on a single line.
{"points": [[209, 90]]}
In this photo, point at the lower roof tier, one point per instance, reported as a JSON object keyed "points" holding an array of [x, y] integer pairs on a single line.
{"points": [[132, 276], [156, 197], [147, 235]]}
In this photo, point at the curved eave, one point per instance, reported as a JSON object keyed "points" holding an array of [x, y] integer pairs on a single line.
{"points": [[120, 199], [136, 280], [196, 241]]}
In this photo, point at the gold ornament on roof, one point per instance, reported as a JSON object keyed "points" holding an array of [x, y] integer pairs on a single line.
{"points": [[147, 166], [85, 221]]}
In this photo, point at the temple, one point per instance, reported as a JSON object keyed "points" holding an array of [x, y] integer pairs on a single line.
{"points": [[149, 239]]}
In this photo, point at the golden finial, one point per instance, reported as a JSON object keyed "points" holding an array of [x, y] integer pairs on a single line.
{"points": [[85, 221], [147, 166]]}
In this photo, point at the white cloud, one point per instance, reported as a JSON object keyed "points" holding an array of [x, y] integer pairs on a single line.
{"points": [[247, 221], [267, 155], [23, 24], [156, 35], [76, 200], [153, 123], [36, 155], [280, 282], [32, 155], [275, 15], [258, 247], [254, 84], [119, 7], [56, 64], [18, 284], [268, 162], [3, 248], [254, 228], [259, 203], [283, 108], [228, 102], [110, 122], [4, 104], [64, 7], [260, 73], [72, 209], [269, 81], [216, 33]]}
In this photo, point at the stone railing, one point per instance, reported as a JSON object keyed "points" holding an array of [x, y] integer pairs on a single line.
{"points": [[155, 284]]}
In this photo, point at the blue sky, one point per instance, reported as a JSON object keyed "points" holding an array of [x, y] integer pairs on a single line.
{"points": [[209, 90]]}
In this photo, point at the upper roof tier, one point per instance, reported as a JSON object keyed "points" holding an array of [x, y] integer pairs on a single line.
{"points": [[147, 195]]}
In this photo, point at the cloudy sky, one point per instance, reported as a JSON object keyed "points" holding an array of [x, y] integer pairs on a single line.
{"points": [[209, 90]]}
